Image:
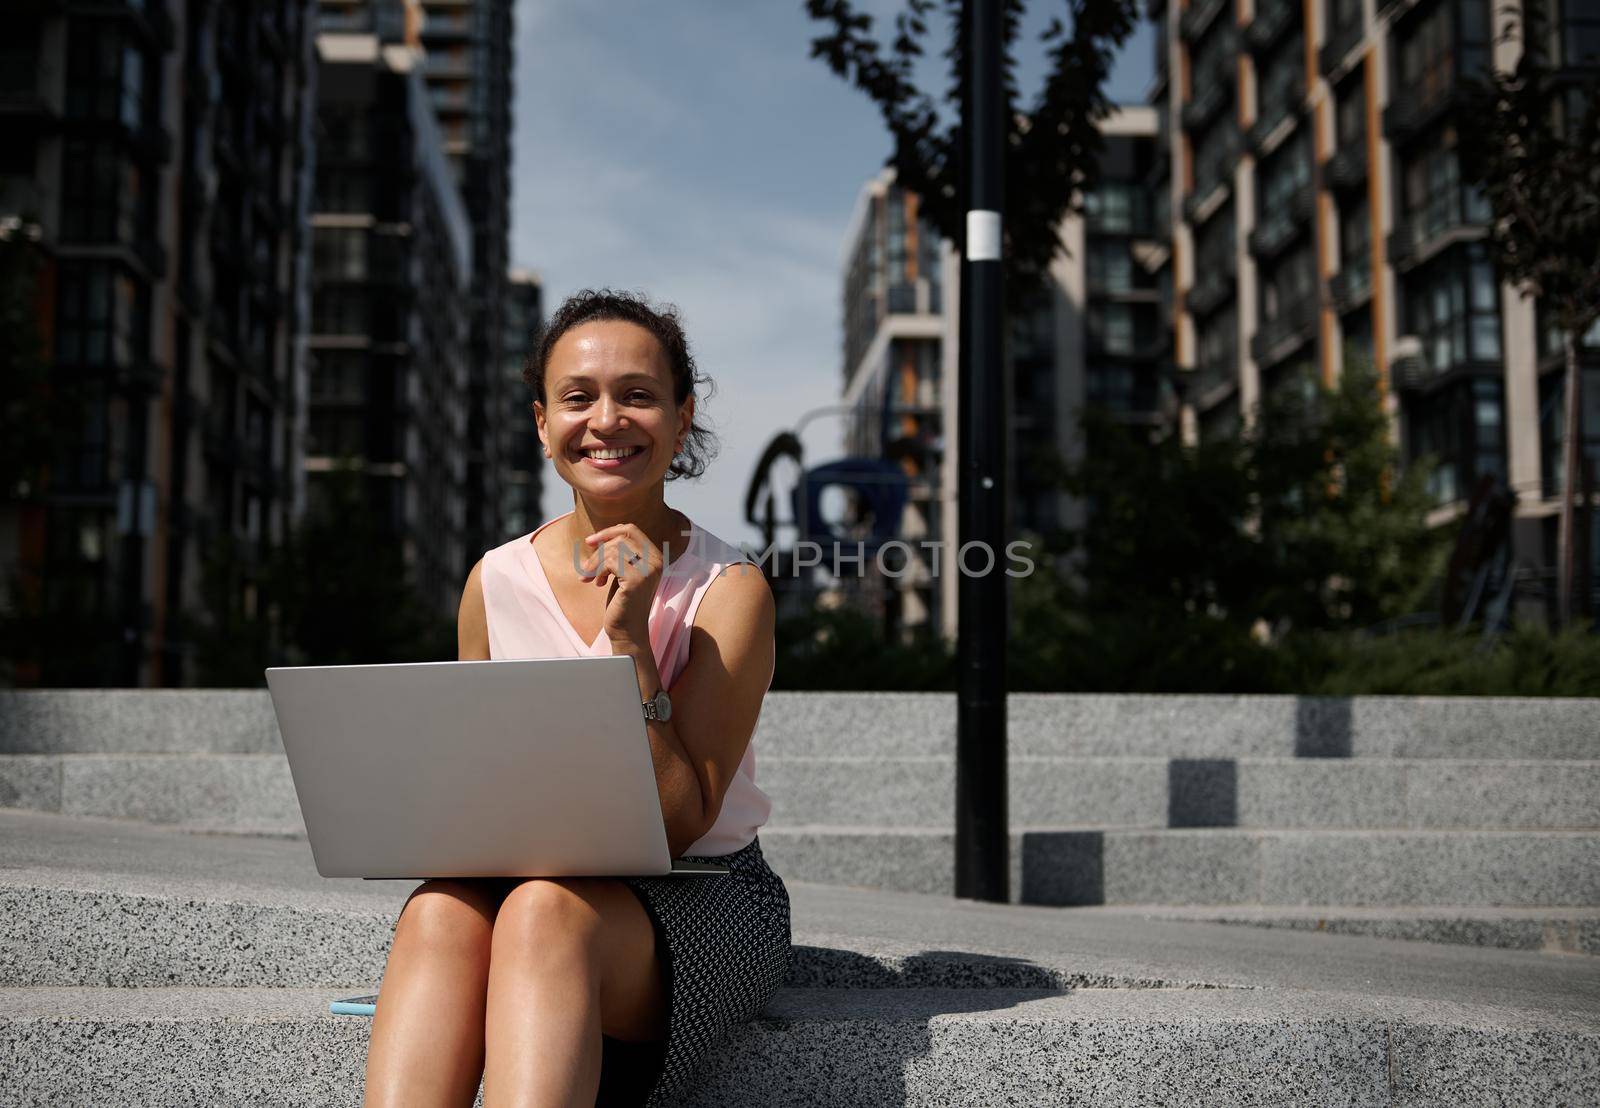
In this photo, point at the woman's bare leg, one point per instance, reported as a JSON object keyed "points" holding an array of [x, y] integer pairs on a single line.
{"points": [[572, 958], [427, 1033]]}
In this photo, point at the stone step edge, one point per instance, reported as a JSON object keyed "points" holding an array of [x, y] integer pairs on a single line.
{"points": [[297, 831], [171, 1045], [248, 944], [1387, 761]]}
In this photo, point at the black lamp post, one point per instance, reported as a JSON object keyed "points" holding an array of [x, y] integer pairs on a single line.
{"points": [[982, 866]]}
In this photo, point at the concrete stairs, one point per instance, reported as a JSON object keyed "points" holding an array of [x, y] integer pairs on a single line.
{"points": [[149, 965], [1446, 819]]}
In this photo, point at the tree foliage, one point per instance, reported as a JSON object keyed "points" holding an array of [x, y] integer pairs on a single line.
{"points": [[1052, 145], [1533, 146], [337, 591]]}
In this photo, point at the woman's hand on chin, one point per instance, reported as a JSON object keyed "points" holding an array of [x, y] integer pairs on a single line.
{"points": [[623, 556]]}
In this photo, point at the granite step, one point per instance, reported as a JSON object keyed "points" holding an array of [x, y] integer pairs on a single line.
{"points": [[253, 793], [183, 1046], [1218, 866], [1569, 930], [883, 725]]}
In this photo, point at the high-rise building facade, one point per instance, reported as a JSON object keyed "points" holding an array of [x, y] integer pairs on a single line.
{"points": [[160, 151], [1093, 334], [520, 448], [1318, 212], [466, 49], [391, 280]]}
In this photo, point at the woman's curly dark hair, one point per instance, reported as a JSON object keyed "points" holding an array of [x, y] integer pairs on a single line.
{"points": [[593, 305]]}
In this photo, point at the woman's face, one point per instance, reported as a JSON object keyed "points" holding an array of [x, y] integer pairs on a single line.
{"points": [[608, 386]]}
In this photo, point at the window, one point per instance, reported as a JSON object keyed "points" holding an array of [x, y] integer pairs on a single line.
{"points": [[83, 454], [1553, 426], [1123, 389], [1357, 328], [1351, 114], [1117, 208], [335, 433], [339, 375], [1281, 81], [1113, 326], [1449, 34], [1282, 176], [1215, 153], [340, 312], [1550, 339], [1435, 198], [1580, 33], [1461, 427], [1110, 265], [1355, 246], [1213, 57], [1343, 15], [1453, 307], [1217, 349], [96, 316], [102, 195], [340, 253], [897, 237], [1288, 288]]}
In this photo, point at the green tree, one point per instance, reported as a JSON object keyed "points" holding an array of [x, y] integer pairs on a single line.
{"points": [[1197, 563], [336, 592], [843, 648], [1052, 146], [1534, 148], [28, 404], [345, 592]]}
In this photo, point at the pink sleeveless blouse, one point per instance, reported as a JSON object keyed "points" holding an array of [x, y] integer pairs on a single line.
{"points": [[525, 621]]}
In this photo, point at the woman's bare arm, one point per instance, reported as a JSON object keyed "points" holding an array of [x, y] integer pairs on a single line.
{"points": [[472, 622]]}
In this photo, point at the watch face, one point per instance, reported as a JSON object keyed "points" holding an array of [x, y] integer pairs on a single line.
{"points": [[663, 705]]}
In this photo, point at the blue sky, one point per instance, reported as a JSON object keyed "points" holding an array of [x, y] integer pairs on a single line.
{"points": [[695, 151]]}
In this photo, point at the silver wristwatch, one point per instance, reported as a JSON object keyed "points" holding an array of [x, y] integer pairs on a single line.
{"points": [[659, 706]]}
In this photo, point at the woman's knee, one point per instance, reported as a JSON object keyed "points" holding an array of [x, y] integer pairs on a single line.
{"points": [[549, 913], [449, 917]]}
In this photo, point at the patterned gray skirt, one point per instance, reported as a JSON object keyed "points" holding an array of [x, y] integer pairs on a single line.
{"points": [[724, 949]]}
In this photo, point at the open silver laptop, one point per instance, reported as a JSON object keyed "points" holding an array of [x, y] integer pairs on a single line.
{"points": [[513, 768]]}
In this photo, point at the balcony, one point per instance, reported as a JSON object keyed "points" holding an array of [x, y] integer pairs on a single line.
{"points": [[1277, 339], [1340, 42], [1269, 131], [1201, 204], [1198, 18], [1213, 381], [24, 108], [1350, 288], [1346, 170], [1283, 226], [1211, 291], [1273, 19], [1408, 113], [1212, 93], [1408, 370], [148, 19], [1414, 241]]}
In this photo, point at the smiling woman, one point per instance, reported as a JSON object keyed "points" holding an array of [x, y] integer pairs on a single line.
{"points": [[559, 991]]}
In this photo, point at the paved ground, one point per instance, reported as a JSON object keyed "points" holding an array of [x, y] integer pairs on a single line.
{"points": [[879, 938]]}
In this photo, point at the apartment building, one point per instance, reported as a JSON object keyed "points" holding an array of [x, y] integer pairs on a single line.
{"points": [[389, 336], [1095, 334], [158, 156], [520, 510], [1312, 178]]}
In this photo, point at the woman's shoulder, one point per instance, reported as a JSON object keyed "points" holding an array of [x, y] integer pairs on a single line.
{"points": [[735, 577], [716, 551]]}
